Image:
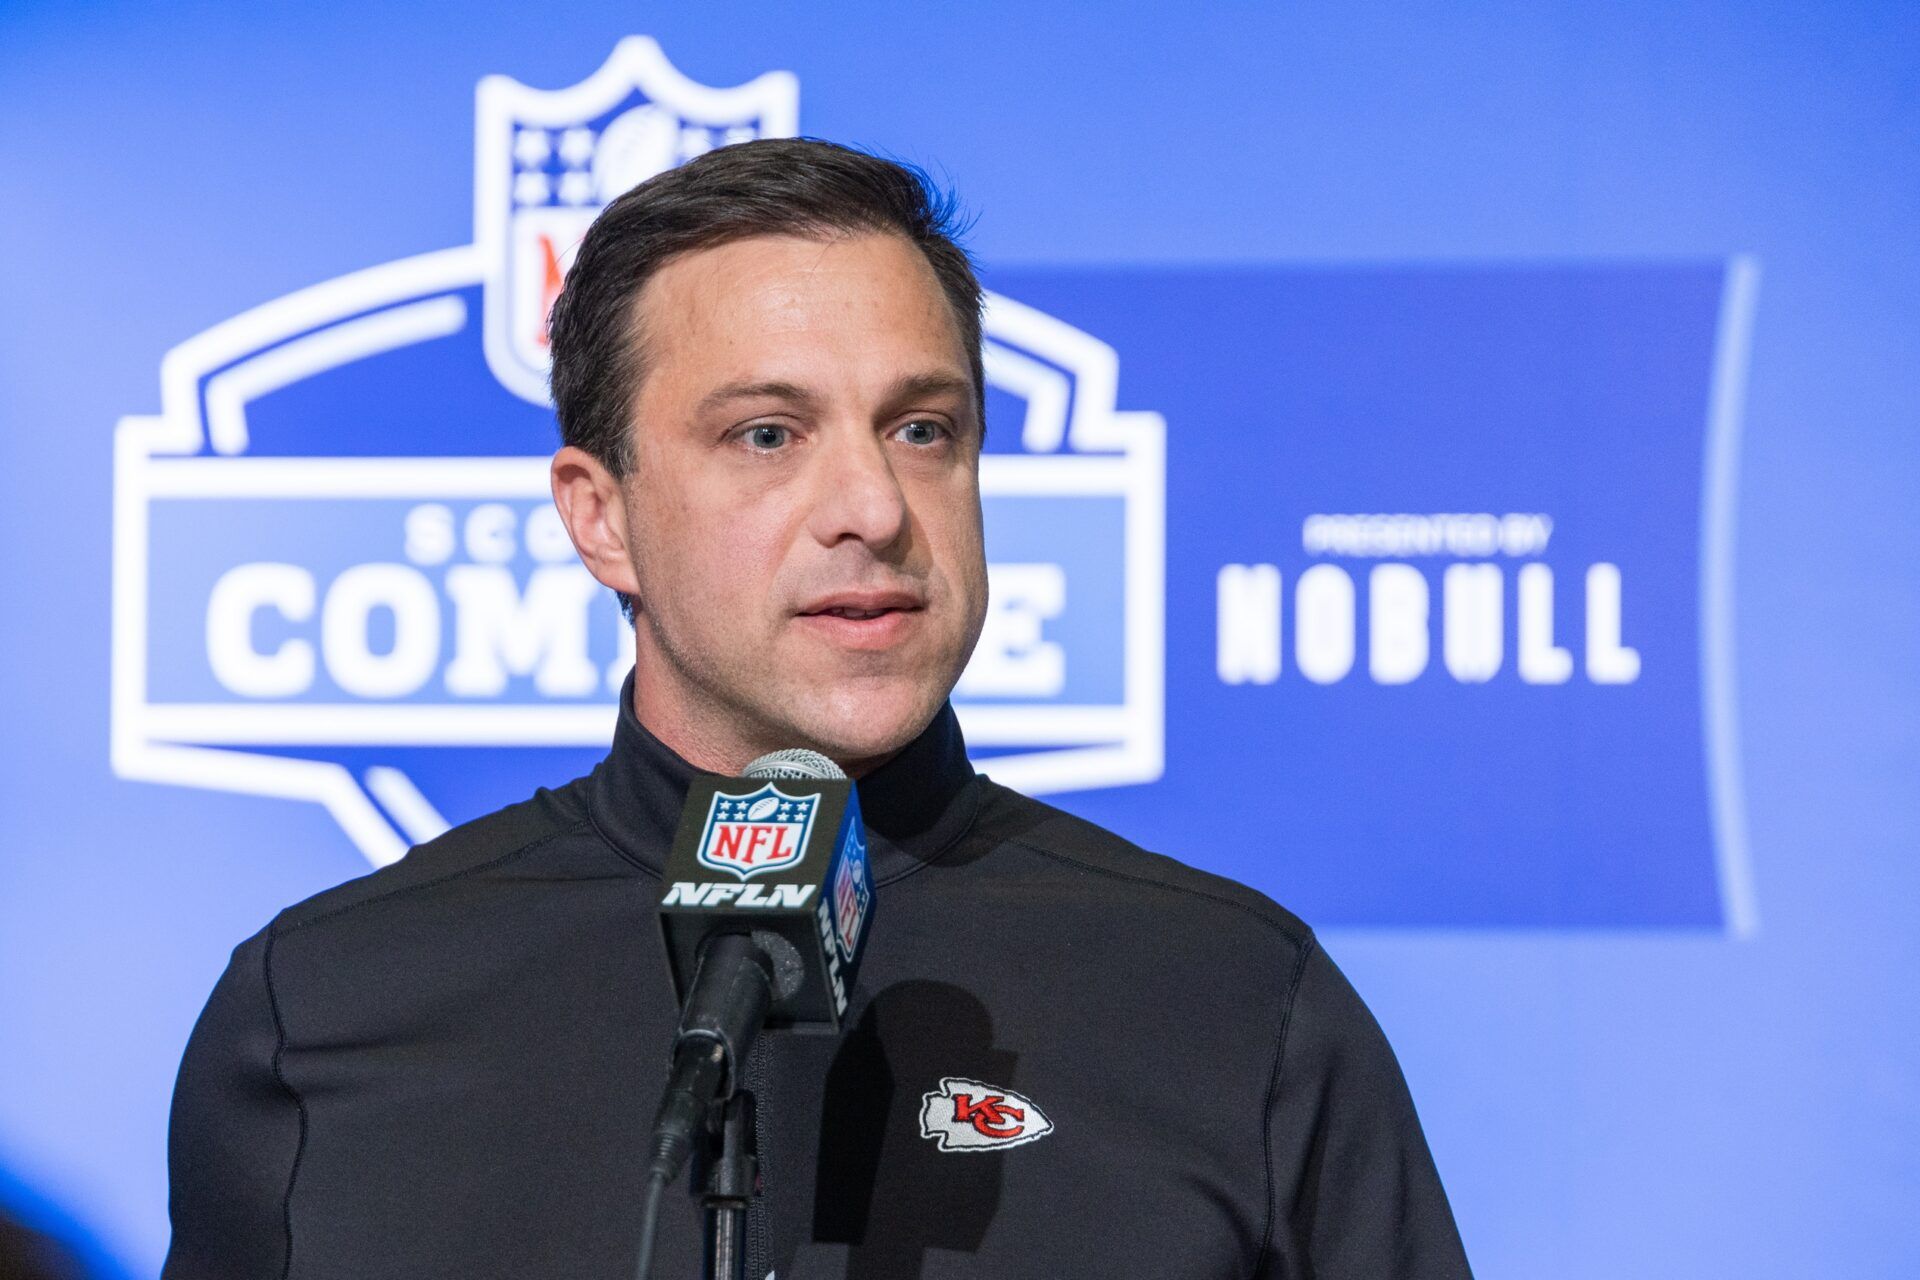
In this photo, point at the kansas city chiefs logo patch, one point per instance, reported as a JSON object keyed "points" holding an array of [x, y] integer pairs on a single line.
{"points": [[965, 1115]]}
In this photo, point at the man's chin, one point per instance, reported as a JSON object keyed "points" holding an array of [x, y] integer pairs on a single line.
{"points": [[864, 732]]}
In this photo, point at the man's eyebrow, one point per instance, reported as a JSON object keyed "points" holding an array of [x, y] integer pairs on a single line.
{"points": [[911, 387], [916, 385], [768, 390]]}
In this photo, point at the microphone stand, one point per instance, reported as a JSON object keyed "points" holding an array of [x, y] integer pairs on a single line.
{"points": [[703, 1111], [741, 973], [730, 1184]]}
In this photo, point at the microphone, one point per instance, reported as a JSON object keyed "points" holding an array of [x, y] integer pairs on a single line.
{"points": [[764, 913], [780, 856]]}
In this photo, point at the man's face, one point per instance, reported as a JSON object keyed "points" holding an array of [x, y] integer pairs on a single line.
{"points": [[803, 509]]}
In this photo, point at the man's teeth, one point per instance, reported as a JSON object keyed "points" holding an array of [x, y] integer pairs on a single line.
{"points": [[858, 614]]}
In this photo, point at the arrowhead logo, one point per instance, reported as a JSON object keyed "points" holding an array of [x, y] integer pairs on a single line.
{"points": [[966, 1115]]}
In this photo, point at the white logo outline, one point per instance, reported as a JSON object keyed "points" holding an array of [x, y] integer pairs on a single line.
{"points": [[1076, 442]]}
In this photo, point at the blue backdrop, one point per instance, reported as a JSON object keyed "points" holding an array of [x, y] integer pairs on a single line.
{"points": [[1450, 468]]}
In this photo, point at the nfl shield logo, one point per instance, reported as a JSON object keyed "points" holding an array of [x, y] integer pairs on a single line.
{"points": [[851, 895], [749, 835], [550, 160]]}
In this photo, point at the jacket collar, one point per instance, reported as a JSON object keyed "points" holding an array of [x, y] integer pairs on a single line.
{"points": [[915, 806]]}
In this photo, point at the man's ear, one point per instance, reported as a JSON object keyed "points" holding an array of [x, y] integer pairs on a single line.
{"points": [[589, 501]]}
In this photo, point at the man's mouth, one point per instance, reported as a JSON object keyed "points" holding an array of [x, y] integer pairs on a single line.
{"points": [[860, 606], [864, 619]]}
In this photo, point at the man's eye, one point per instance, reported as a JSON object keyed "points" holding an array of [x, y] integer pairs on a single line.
{"points": [[766, 436], [922, 432]]}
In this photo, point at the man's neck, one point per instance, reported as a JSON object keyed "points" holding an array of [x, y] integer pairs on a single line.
{"points": [[703, 735]]}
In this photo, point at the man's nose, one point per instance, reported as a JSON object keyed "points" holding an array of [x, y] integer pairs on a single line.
{"points": [[856, 494]]}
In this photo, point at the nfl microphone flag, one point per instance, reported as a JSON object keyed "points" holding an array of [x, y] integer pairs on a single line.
{"points": [[786, 857]]}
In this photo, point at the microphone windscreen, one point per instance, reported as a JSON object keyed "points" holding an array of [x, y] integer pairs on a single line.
{"points": [[794, 762]]}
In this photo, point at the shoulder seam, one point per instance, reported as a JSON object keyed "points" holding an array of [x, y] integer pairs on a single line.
{"points": [[276, 930], [299, 1103], [401, 890], [1217, 899], [1273, 1087], [1306, 945], [921, 864]]}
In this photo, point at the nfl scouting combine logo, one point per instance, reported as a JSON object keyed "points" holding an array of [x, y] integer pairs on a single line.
{"points": [[338, 577], [1451, 554], [749, 835]]}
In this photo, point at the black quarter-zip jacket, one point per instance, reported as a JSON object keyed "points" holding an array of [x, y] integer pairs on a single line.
{"points": [[1067, 1057]]}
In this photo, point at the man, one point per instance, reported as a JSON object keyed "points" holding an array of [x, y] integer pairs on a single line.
{"points": [[1068, 1057]]}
